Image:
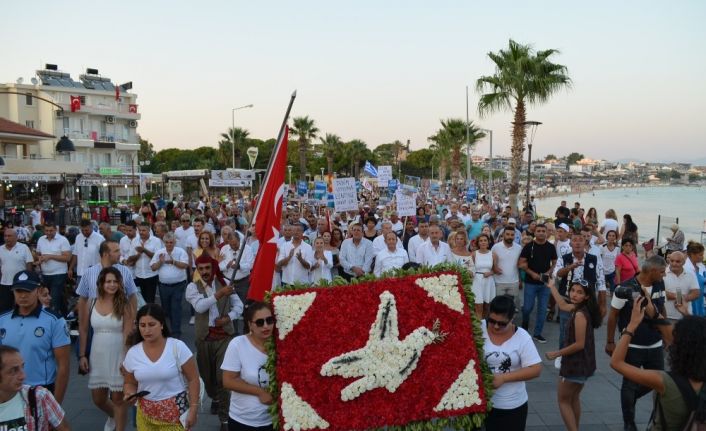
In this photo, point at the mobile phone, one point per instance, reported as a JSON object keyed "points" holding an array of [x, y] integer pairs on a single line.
{"points": [[544, 278], [138, 395], [680, 298]]}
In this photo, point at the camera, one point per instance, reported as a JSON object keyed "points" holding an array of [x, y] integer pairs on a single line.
{"points": [[630, 293], [544, 278]]}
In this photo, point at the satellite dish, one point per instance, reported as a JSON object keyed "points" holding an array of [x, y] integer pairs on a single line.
{"points": [[34, 81], [19, 80]]}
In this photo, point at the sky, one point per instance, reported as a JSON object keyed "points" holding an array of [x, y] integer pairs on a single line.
{"points": [[382, 71]]}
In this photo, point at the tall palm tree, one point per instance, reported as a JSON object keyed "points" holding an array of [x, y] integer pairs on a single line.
{"points": [[456, 135], [357, 151], [329, 145], [305, 130], [522, 77], [442, 153], [233, 137]]}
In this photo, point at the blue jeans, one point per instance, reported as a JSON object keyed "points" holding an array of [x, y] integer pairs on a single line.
{"points": [[172, 296], [55, 284], [541, 293], [564, 317]]}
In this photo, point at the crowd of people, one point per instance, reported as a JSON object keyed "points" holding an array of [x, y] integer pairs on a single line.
{"points": [[129, 287]]}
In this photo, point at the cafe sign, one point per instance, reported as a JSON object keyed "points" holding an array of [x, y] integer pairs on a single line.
{"points": [[48, 178]]}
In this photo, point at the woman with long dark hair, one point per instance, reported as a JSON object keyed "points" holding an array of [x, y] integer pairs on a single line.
{"points": [[629, 229], [578, 358], [165, 369]]}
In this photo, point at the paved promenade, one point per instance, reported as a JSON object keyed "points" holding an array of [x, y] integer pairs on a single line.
{"points": [[600, 399]]}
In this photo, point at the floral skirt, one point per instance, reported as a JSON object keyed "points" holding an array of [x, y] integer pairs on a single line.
{"points": [[161, 415]]}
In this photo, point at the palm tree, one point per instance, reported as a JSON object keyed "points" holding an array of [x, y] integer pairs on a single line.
{"points": [[356, 151], [442, 152], [329, 145], [522, 77], [233, 137], [305, 131], [456, 134]]}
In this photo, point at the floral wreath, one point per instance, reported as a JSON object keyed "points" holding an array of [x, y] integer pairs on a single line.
{"points": [[401, 353]]}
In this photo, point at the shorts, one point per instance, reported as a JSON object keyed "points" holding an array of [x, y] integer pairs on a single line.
{"points": [[580, 380]]}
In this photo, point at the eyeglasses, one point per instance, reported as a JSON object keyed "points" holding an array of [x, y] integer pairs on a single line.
{"points": [[270, 320], [497, 323]]}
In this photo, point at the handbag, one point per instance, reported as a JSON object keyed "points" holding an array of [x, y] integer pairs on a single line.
{"points": [[185, 384]]}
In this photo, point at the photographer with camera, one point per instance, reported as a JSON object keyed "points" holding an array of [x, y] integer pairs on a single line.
{"points": [[645, 347], [680, 395]]}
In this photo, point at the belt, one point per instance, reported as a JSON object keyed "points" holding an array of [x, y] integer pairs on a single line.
{"points": [[172, 284]]}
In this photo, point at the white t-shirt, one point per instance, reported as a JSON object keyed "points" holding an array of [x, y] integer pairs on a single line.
{"points": [[684, 283], [516, 353], [56, 247], [608, 258], [36, 219], [162, 378], [181, 234], [244, 358], [13, 261], [608, 225], [12, 413], [507, 262]]}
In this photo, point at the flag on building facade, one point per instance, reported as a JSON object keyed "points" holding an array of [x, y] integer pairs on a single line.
{"points": [[370, 169], [132, 108], [117, 92], [75, 103], [268, 216]]}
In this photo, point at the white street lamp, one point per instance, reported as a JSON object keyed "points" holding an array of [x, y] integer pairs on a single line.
{"points": [[232, 129]]}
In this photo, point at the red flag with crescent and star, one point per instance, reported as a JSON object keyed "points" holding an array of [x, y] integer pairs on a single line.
{"points": [[267, 218], [75, 103], [132, 109]]}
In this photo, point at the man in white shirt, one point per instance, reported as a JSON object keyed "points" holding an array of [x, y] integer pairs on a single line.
{"points": [[36, 216], [184, 231], [14, 257], [379, 241], [126, 242], [192, 241], [397, 225], [85, 253], [506, 254], [435, 251], [229, 256], [217, 307], [417, 240], [54, 253], [295, 258], [356, 256], [681, 287], [391, 257], [170, 263], [142, 250]]}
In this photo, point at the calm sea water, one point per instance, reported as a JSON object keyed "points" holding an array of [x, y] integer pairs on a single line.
{"points": [[645, 205]]}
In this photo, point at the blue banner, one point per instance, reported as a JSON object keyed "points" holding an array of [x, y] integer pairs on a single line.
{"points": [[471, 194], [392, 185], [319, 189], [301, 188]]}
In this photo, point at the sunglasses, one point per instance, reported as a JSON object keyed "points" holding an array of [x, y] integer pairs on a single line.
{"points": [[85, 242], [497, 323], [580, 281], [267, 320]]}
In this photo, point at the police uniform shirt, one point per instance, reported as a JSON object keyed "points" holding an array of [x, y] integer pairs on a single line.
{"points": [[36, 336]]}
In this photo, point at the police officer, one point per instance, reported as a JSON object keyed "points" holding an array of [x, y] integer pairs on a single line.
{"points": [[41, 336]]}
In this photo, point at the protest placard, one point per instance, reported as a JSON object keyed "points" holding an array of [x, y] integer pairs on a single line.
{"points": [[406, 203], [345, 197]]}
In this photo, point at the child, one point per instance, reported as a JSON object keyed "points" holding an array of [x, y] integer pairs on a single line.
{"points": [[578, 361]]}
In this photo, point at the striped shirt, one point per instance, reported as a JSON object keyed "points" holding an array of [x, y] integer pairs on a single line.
{"points": [[88, 287]]}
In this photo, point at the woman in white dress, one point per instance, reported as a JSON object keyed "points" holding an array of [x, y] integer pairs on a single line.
{"points": [[111, 319], [321, 269], [458, 241], [483, 281]]}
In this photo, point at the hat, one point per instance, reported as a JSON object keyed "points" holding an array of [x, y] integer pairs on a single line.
{"points": [[304, 222], [464, 205], [563, 226], [26, 280], [511, 220]]}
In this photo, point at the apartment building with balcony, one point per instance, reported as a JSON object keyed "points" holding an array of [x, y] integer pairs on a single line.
{"points": [[102, 124]]}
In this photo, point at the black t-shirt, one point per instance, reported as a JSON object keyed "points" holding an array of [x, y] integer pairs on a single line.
{"points": [[539, 256]]}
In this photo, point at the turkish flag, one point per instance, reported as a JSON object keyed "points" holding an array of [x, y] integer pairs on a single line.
{"points": [[132, 109], [268, 216], [75, 103], [117, 92]]}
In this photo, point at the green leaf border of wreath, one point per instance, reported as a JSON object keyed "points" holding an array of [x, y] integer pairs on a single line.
{"points": [[460, 423]]}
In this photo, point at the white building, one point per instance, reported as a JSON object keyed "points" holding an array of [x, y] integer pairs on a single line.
{"points": [[102, 126]]}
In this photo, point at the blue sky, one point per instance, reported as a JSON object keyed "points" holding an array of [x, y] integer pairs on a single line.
{"points": [[381, 71]]}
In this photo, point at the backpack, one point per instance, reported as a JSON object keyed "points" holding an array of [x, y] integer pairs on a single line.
{"points": [[696, 421]]}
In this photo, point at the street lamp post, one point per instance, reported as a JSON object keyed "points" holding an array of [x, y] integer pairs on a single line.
{"points": [[490, 165], [289, 168], [322, 174], [468, 141], [533, 127], [232, 129]]}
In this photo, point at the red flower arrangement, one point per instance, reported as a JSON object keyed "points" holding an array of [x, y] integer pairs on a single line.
{"points": [[338, 321]]}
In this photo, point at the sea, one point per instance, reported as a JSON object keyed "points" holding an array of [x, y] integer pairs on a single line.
{"points": [[646, 205]]}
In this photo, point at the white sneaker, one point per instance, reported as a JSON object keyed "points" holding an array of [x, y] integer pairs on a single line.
{"points": [[192, 321], [109, 425]]}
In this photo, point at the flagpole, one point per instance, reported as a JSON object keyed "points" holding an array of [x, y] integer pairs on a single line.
{"points": [[280, 136]]}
